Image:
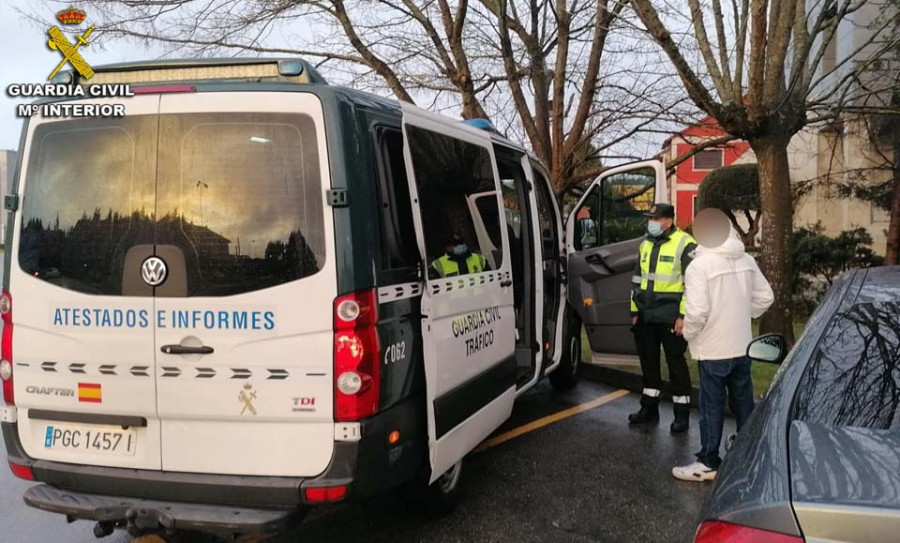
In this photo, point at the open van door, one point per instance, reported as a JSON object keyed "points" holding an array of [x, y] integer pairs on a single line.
{"points": [[603, 233], [468, 320]]}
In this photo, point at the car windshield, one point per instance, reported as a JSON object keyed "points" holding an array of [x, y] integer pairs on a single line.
{"points": [[853, 378]]}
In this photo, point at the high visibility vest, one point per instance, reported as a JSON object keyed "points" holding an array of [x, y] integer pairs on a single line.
{"points": [[659, 279], [447, 267]]}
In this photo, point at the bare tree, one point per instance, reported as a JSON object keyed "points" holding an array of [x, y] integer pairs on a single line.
{"points": [[536, 68], [768, 70]]}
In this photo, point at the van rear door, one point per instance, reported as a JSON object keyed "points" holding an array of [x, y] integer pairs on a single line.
{"points": [[243, 318], [82, 322]]}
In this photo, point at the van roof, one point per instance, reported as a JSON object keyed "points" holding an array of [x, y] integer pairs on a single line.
{"points": [[281, 69], [236, 74]]}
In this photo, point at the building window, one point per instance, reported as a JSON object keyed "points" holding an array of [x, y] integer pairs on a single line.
{"points": [[829, 58], [708, 160], [694, 209], [879, 214]]}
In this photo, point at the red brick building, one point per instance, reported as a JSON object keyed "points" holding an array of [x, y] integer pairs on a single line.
{"points": [[684, 183]]}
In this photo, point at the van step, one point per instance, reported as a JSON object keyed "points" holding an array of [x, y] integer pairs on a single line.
{"points": [[168, 515]]}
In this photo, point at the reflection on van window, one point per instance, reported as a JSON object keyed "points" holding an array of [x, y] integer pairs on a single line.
{"points": [[458, 203], [626, 197], [587, 221], [853, 378], [240, 195], [89, 197]]}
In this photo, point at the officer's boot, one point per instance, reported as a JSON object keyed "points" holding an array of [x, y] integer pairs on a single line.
{"points": [[682, 418], [649, 411]]}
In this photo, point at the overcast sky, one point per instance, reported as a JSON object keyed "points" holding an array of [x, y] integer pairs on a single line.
{"points": [[27, 59]]}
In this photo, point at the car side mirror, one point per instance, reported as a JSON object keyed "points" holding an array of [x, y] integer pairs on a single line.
{"points": [[767, 348]]}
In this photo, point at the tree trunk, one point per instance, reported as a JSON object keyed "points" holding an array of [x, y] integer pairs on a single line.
{"points": [[777, 223], [892, 257]]}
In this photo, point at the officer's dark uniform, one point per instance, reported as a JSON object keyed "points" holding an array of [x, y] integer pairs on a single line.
{"points": [[657, 301]]}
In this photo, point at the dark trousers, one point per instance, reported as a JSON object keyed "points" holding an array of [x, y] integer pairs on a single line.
{"points": [[648, 338], [717, 376]]}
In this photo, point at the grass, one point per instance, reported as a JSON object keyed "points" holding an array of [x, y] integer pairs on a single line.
{"points": [[761, 372]]}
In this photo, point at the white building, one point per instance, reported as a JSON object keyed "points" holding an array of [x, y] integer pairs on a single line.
{"points": [[827, 155]]}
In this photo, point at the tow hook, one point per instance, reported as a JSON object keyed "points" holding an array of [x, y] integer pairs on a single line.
{"points": [[103, 529]]}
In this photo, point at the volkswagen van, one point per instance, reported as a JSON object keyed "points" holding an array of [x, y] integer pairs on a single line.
{"points": [[224, 306]]}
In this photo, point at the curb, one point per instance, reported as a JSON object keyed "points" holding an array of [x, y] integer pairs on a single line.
{"points": [[629, 381]]}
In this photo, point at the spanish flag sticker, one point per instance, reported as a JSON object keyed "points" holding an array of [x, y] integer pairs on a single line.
{"points": [[89, 392]]}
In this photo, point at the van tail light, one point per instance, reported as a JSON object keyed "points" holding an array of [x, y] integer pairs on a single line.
{"points": [[357, 372], [325, 494], [6, 354], [22, 472], [713, 531]]}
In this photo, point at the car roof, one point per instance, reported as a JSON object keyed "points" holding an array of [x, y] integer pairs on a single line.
{"points": [[880, 284]]}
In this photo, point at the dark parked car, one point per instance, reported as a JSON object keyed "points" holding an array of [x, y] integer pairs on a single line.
{"points": [[819, 460]]}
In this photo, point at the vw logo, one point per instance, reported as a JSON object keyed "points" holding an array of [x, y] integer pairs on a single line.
{"points": [[154, 271]]}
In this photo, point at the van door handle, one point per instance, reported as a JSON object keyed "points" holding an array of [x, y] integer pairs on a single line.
{"points": [[181, 349], [506, 283]]}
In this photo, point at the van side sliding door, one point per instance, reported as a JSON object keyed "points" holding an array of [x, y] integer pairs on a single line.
{"points": [[468, 321], [603, 233]]}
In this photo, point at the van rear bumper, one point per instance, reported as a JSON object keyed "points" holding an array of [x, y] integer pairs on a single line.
{"points": [[365, 467], [151, 514]]}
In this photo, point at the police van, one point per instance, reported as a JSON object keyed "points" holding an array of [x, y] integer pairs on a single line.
{"points": [[256, 292]]}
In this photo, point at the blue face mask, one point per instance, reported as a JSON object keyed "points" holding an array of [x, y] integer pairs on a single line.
{"points": [[460, 249], [654, 229]]}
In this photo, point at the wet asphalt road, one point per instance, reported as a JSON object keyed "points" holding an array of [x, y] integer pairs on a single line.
{"points": [[586, 478]]}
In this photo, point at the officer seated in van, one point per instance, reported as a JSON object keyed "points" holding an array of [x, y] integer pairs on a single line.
{"points": [[459, 259]]}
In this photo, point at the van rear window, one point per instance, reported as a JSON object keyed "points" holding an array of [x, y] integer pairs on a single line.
{"points": [[89, 191], [238, 194]]}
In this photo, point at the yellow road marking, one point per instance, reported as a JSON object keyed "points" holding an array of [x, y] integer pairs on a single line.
{"points": [[550, 419]]}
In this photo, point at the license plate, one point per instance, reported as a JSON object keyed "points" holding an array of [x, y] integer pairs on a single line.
{"points": [[90, 439]]}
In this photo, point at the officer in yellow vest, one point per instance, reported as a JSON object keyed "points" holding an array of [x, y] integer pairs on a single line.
{"points": [[657, 314], [459, 259]]}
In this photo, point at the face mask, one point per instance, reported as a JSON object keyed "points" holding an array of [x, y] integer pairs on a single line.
{"points": [[654, 229], [460, 249]]}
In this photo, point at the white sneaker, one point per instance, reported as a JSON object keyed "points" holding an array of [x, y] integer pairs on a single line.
{"points": [[697, 472]]}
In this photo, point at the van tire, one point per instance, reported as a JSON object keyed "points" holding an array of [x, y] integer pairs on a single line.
{"points": [[440, 497], [565, 376]]}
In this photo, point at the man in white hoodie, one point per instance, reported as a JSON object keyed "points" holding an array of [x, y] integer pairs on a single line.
{"points": [[724, 290]]}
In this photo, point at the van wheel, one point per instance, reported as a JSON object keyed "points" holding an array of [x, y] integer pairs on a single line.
{"points": [[441, 496], [565, 377]]}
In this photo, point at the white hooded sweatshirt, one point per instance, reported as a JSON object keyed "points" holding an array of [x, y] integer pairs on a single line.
{"points": [[723, 290]]}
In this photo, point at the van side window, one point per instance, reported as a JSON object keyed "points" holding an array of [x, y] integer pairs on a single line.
{"points": [[587, 221], [398, 235], [458, 204], [626, 197], [546, 217]]}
